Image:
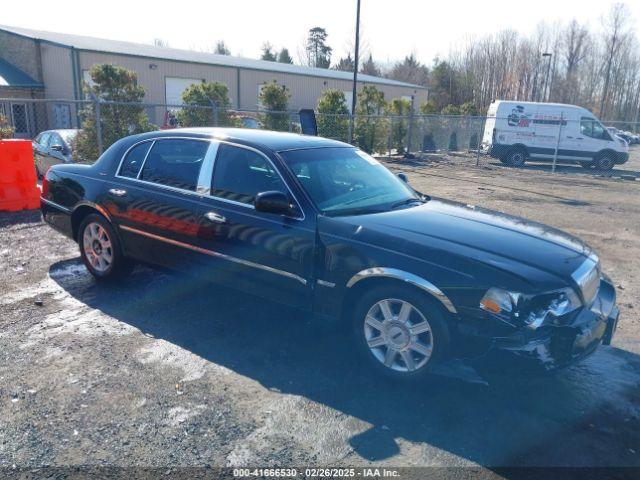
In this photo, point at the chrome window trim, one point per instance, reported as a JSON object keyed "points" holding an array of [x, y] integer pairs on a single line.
{"points": [[144, 160], [214, 253], [198, 194], [415, 280], [206, 170]]}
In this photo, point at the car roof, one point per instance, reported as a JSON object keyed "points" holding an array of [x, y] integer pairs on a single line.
{"points": [[276, 141]]}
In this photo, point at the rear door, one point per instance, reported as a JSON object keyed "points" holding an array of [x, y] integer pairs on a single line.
{"points": [[155, 201], [265, 254]]}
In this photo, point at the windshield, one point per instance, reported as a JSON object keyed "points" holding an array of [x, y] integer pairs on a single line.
{"points": [[343, 181]]}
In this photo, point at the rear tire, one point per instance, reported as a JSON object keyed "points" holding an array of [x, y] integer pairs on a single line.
{"points": [[400, 331], [516, 157], [100, 249]]}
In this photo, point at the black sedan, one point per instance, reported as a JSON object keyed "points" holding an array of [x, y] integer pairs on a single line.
{"points": [[321, 225]]}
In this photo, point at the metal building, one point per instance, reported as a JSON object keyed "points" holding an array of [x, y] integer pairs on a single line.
{"points": [[55, 65]]}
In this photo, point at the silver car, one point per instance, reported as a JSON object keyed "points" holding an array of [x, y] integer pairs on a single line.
{"points": [[52, 147]]}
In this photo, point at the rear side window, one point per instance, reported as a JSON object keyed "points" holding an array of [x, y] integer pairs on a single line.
{"points": [[132, 163], [175, 163], [239, 174]]}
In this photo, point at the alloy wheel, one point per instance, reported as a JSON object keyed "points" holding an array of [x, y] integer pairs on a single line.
{"points": [[398, 335], [98, 247]]}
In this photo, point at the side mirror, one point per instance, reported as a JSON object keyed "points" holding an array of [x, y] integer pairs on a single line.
{"points": [[57, 148], [403, 177], [273, 202]]}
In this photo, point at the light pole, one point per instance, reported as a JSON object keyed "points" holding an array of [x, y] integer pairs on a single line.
{"points": [[355, 73], [546, 78]]}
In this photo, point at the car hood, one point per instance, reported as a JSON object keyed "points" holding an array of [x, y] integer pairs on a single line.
{"points": [[472, 231]]}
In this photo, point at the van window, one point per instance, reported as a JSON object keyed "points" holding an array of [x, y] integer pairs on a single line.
{"points": [[590, 127], [175, 163]]}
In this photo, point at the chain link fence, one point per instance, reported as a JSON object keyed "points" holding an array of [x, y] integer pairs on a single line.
{"points": [[88, 127]]}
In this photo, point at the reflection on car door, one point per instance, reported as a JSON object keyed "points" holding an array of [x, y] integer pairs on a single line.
{"points": [[266, 254], [153, 199]]}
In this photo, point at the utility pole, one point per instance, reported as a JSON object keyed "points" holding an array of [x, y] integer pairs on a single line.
{"points": [[546, 78], [355, 73]]}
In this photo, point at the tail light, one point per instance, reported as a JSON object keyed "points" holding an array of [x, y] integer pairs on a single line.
{"points": [[45, 183]]}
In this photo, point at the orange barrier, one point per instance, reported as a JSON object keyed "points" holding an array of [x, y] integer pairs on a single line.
{"points": [[18, 187]]}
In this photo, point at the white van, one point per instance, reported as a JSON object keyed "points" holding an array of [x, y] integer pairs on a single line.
{"points": [[517, 131]]}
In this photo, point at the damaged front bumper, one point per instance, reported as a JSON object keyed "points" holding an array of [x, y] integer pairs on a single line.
{"points": [[550, 347]]}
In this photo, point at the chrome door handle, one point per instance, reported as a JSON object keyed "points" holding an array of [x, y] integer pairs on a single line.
{"points": [[215, 217], [117, 192]]}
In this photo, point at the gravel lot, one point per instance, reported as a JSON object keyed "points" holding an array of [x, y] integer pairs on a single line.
{"points": [[160, 370]]}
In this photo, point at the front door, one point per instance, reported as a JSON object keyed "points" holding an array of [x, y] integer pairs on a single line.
{"points": [[265, 254]]}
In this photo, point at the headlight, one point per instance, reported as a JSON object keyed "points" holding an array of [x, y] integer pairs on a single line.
{"points": [[502, 303], [530, 310]]}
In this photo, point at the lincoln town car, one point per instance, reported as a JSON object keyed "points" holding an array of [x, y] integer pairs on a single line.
{"points": [[322, 226]]}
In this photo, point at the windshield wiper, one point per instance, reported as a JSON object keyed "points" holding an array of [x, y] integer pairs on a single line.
{"points": [[407, 201]]}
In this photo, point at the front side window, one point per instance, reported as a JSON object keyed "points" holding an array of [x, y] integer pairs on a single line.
{"points": [[239, 174], [347, 180], [175, 163], [133, 161], [590, 127]]}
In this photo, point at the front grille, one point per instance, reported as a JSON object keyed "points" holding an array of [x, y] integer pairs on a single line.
{"points": [[587, 276]]}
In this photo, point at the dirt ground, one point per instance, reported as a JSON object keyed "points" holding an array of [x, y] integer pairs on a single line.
{"points": [[161, 371]]}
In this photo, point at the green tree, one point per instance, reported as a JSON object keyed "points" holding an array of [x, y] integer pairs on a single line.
{"points": [[111, 84], [267, 53], [370, 129], [410, 70], [333, 120], [274, 99], [369, 67], [284, 57], [345, 64], [399, 108], [443, 84], [6, 130], [468, 109], [318, 52], [221, 48], [451, 110], [429, 108], [212, 95]]}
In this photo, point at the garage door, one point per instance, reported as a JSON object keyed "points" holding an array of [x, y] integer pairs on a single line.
{"points": [[174, 88]]}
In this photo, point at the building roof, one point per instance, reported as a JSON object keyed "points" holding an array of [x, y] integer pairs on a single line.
{"points": [[10, 76], [162, 53]]}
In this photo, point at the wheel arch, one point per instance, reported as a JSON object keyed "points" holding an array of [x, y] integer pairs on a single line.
{"points": [[606, 151], [81, 211], [371, 277], [519, 146]]}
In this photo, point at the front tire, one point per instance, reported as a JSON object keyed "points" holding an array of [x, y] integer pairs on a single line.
{"points": [[605, 162], [400, 331], [100, 249]]}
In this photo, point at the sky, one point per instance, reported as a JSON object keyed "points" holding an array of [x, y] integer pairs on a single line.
{"points": [[390, 30]]}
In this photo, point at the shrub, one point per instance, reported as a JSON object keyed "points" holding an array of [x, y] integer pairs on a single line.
{"points": [[370, 130], [6, 130], [451, 110], [399, 107], [333, 121], [274, 99], [468, 109], [206, 95], [429, 108], [111, 84]]}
